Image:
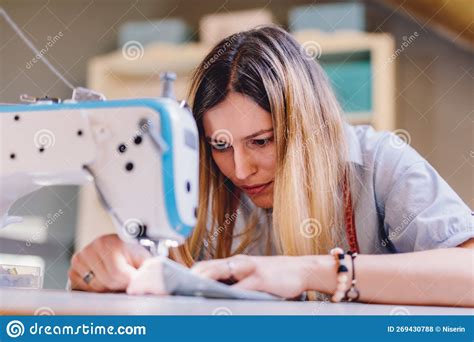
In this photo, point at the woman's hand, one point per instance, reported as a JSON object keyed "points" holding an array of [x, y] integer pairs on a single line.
{"points": [[149, 278], [112, 261], [283, 276]]}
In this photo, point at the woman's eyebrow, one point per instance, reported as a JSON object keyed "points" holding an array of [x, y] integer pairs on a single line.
{"points": [[211, 140], [258, 133]]}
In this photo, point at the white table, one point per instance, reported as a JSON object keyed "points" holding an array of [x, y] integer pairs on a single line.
{"points": [[15, 301]]}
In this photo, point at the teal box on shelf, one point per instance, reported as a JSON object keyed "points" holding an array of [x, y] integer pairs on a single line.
{"points": [[351, 79], [146, 32], [328, 17]]}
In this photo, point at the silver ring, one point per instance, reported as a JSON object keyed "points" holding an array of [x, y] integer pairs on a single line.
{"points": [[88, 277], [230, 266]]}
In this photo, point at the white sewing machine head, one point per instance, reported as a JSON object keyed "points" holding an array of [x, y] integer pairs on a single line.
{"points": [[142, 155]]}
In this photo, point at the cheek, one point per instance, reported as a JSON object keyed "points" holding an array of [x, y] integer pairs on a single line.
{"points": [[264, 160], [224, 162], [267, 160]]}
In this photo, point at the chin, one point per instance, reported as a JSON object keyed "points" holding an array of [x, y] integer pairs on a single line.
{"points": [[264, 202]]}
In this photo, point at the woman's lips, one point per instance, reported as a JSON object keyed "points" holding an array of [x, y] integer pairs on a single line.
{"points": [[253, 190]]}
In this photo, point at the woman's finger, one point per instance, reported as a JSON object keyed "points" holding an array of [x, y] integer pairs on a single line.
{"points": [[82, 268], [204, 267], [133, 253], [137, 255], [148, 279], [249, 283], [237, 267], [94, 263], [76, 281], [117, 269]]}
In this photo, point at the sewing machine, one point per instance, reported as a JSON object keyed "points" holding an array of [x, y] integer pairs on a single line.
{"points": [[141, 154]]}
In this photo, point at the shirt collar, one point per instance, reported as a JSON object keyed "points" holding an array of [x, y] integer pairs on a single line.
{"points": [[355, 153]]}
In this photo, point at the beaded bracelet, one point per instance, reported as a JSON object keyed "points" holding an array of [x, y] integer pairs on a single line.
{"points": [[342, 271], [353, 293]]}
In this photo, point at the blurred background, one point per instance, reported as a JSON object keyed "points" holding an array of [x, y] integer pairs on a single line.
{"points": [[403, 66]]}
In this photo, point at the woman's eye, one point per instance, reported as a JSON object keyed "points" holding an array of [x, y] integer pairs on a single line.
{"points": [[262, 142], [220, 146]]}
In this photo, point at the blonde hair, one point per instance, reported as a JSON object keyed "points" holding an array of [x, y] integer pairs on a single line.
{"points": [[269, 66]]}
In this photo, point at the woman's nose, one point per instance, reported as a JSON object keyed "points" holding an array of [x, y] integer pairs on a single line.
{"points": [[243, 163]]}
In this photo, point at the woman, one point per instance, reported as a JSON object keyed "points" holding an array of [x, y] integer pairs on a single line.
{"points": [[284, 181]]}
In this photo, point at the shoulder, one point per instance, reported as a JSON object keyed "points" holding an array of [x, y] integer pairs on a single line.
{"points": [[384, 155], [417, 207], [389, 167], [369, 147]]}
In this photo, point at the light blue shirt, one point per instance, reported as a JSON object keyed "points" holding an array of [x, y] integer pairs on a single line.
{"points": [[401, 203]]}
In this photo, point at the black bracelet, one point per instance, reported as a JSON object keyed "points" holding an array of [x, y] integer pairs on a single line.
{"points": [[353, 293], [342, 275]]}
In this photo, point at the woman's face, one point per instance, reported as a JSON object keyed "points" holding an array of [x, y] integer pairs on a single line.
{"points": [[240, 134]]}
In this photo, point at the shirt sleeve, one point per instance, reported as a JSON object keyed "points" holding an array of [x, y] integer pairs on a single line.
{"points": [[420, 211]]}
